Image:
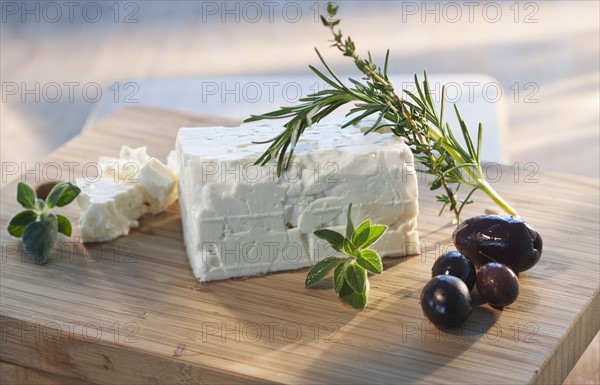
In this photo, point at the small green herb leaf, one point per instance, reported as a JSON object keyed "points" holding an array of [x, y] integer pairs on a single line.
{"points": [[356, 277], [335, 239], [349, 225], [352, 298], [369, 259], [26, 196], [349, 247], [39, 238], [350, 279], [321, 269], [361, 234], [64, 225], [339, 275], [62, 194], [19, 222], [332, 9], [375, 233]]}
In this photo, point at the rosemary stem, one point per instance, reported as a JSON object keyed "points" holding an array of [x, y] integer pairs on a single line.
{"points": [[490, 192], [478, 177]]}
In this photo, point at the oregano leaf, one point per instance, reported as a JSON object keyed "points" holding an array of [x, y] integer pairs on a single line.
{"points": [[62, 194], [361, 234], [19, 222], [39, 238], [349, 225], [370, 260], [349, 247], [356, 277], [26, 196], [375, 233], [352, 298], [321, 269], [64, 225], [339, 275], [335, 239]]}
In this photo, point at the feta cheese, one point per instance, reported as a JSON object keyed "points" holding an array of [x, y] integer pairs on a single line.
{"points": [[240, 219], [108, 209], [159, 185], [132, 185]]}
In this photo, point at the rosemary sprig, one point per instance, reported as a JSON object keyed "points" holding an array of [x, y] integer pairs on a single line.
{"points": [[416, 120]]}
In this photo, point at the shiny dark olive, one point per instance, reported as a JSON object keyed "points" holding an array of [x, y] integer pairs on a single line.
{"points": [[497, 284], [446, 301], [457, 265], [495, 238]]}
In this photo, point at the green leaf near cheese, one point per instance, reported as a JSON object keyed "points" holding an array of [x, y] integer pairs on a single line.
{"points": [[375, 232], [339, 275], [321, 269], [369, 259], [64, 225], [39, 238], [361, 234], [352, 298], [349, 225], [19, 222], [356, 277], [26, 196], [349, 247], [62, 194], [335, 239]]}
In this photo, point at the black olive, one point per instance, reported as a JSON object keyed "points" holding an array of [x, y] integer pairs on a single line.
{"points": [[446, 301], [497, 284], [457, 265], [503, 239], [43, 190]]}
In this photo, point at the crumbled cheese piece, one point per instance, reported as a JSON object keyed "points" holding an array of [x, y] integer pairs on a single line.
{"points": [[130, 186]]}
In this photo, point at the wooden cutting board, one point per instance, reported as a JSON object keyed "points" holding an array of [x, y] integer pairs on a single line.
{"points": [[115, 313]]}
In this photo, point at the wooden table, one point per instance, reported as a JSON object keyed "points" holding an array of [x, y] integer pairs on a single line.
{"points": [[116, 312]]}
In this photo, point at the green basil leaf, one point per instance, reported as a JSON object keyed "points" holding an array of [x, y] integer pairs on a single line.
{"points": [[62, 194], [26, 196], [321, 269], [375, 233], [64, 225], [361, 234], [369, 259], [356, 277], [39, 238], [349, 225], [339, 275], [335, 239], [20, 221], [352, 298]]}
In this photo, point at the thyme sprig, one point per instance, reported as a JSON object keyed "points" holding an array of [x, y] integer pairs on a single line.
{"points": [[415, 120]]}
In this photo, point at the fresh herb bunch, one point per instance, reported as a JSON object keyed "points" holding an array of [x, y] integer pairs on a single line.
{"points": [[37, 225], [350, 279], [416, 121]]}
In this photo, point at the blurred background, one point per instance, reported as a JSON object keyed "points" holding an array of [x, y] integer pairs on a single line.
{"points": [[62, 62]]}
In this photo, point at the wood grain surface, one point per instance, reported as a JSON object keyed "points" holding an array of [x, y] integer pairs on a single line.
{"points": [[116, 312]]}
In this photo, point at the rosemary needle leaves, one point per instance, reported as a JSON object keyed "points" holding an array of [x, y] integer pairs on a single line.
{"points": [[414, 119]]}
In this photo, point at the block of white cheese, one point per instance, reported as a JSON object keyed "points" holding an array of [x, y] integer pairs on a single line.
{"points": [[130, 186], [240, 219]]}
